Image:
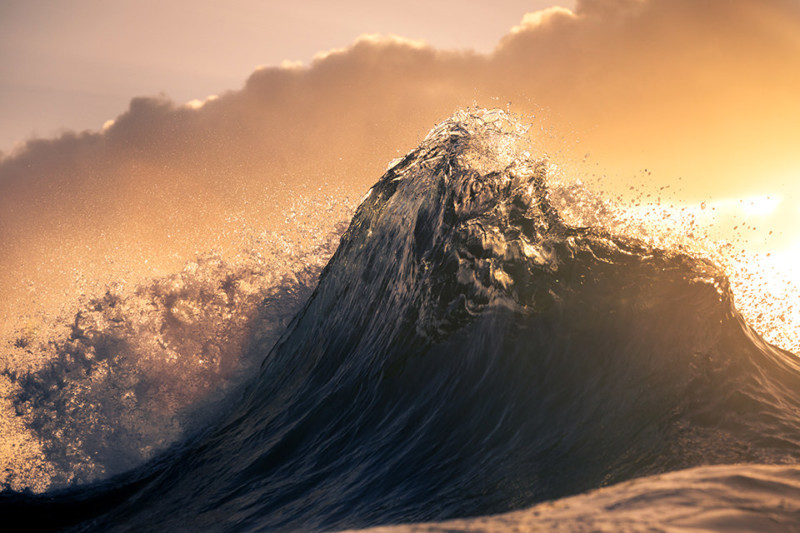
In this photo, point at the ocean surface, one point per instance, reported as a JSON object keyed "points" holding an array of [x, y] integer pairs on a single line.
{"points": [[471, 357]]}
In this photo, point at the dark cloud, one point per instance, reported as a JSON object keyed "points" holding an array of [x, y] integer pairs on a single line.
{"points": [[705, 90]]}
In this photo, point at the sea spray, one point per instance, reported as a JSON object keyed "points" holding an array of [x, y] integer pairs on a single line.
{"points": [[107, 384]]}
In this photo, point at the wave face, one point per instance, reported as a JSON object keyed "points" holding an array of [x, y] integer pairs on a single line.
{"points": [[466, 352]]}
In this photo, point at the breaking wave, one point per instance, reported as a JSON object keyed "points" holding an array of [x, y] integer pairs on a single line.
{"points": [[469, 349]]}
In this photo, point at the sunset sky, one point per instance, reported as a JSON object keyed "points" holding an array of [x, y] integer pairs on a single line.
{"points": [[147, 131]]}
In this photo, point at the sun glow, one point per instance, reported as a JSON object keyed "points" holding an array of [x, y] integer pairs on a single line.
{"points": [[739, 234], [766, 287]]}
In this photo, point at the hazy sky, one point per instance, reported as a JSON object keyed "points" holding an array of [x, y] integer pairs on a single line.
{"points": [[77, 63]]}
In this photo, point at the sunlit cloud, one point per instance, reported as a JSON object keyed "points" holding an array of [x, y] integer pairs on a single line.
{"points": [[287, 64], [530, 21], [197, 104], [372, 40]]}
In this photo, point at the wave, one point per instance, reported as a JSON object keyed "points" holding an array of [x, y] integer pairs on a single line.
{"points": [[719, 498], [467, 351]]}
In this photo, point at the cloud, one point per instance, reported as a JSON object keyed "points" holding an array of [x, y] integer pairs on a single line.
{"points": [[703, 90], [532, 21], [609, 9]]}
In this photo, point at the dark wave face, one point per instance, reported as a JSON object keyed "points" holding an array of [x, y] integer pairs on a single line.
{"points": [[467, 352]]}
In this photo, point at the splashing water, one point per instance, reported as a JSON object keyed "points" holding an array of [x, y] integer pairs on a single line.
{"points": [[97, 389], [764, 282]]}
